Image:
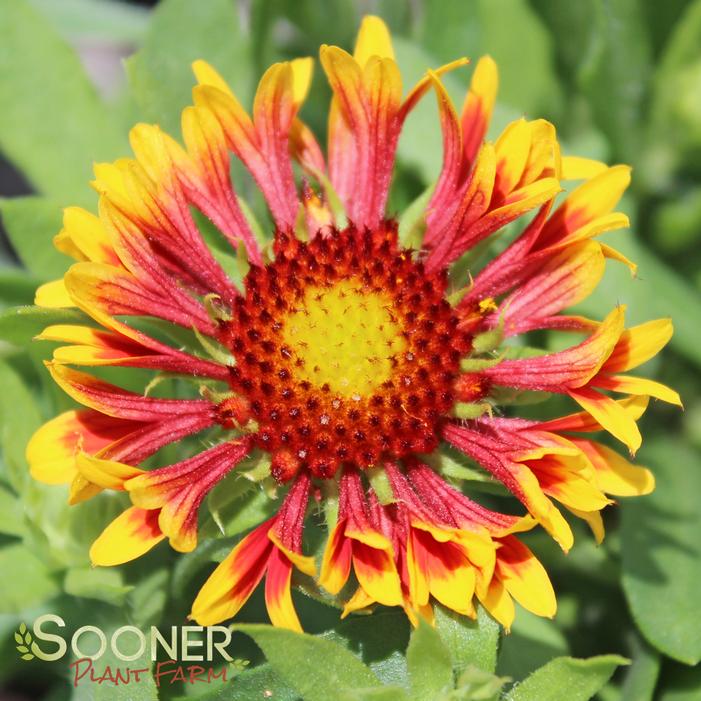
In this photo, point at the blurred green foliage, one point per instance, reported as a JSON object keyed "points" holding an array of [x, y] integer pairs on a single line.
{"points": [[621, 79]]}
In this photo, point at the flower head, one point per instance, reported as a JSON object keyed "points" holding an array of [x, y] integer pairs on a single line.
{"points": [[350, 358]]}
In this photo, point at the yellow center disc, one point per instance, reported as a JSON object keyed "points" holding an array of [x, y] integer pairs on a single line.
{"points": [[345, 337]]}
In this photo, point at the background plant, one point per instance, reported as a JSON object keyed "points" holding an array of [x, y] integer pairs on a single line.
{"points": [[622, 81]]}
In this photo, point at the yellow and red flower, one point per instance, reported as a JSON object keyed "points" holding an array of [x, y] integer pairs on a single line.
{"points": [[344, 355]]}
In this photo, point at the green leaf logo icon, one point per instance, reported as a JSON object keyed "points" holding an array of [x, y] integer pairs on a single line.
{"points": [[23, 638]]}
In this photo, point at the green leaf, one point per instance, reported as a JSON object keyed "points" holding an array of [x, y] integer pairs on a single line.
{"points": [[674, 117], [16, 287], [237, 504], [19, 418], [620, 56], [189, 565], [533, 642], [379, 640], [471, 642], [641, 679], [19, 325], [103, 584], [52, 124], [104, 20], [477, 685], [258, 683], [661, 562], [318, 669], [683, 685], [11, 514], [430, 670], [181, 32], [149, 597], [31, 583], [567, 678], [575, 21], [455, 28], [31, 223], [383, 693]]}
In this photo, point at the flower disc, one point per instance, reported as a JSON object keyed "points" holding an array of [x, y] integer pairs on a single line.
{"points": [[348, 351]]}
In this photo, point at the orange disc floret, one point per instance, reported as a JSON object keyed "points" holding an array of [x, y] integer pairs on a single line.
{"points": [[346, 350]]}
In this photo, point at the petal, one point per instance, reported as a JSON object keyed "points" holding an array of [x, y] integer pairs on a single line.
{"points": [[104, 291], [232, 583], [442, 199], [53, 295], [373, 40], [178, 490], [638, 385], [614, 474], [479, 105], [278, 596], [610, 415], [613, 254], [85, 237], [512, 149], [377, 574], [594, 198], [363, 127], [599, 225], [499, 604], [360, 600], [107, 474], [262, 144], [541, 508], [126, 347], [205, 176], [525, 578], [52, 450], [446, 230], [638, 344], [274, 108], [336, 563], [570, 486], [563, 371], [585, 423], [496, 455], [141, 440], [450, 577], [594, 521], [304, 563], [564, 280], [129, 536], [578, 168], [117, 402]]}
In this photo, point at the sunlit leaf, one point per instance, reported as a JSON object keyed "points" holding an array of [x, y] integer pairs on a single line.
{"points": [[53, 125], [660, 547], [31, 223], [430, 670], [567, 678], [318, 669], [179, 33]]}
